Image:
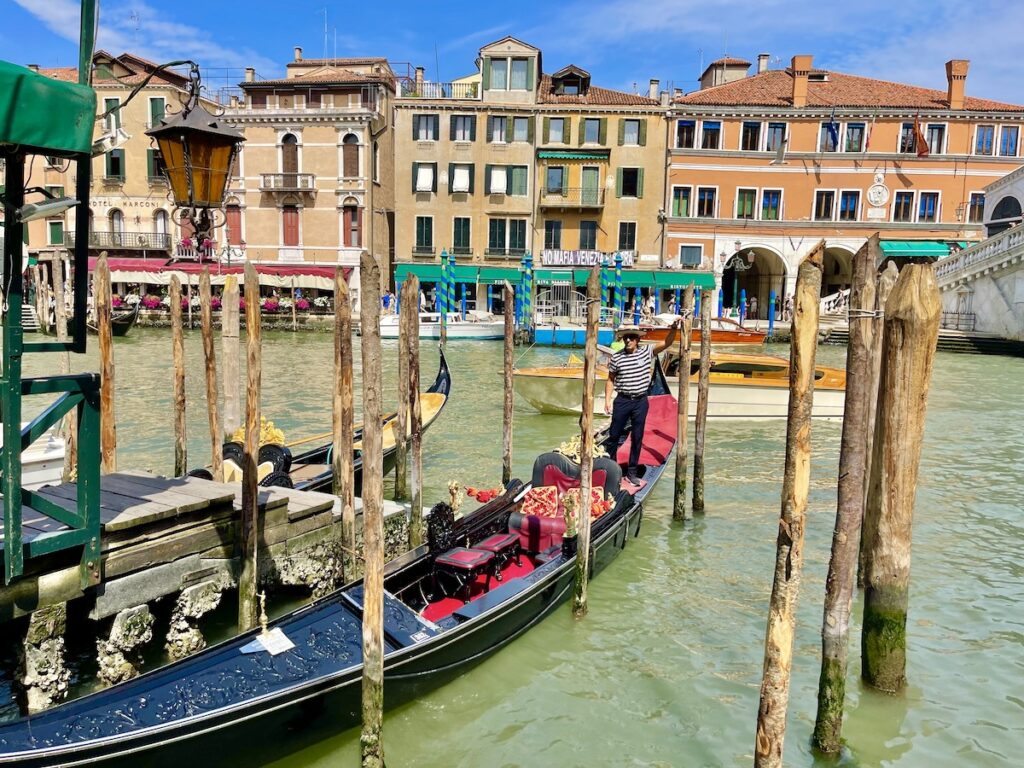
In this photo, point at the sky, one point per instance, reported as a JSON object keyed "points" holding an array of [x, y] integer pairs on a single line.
{"points": [[622, 43]]}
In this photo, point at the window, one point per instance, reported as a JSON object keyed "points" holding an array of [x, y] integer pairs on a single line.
{"points": [[460, 235], [424, 177], [258, 100], [627, 235], [499, 74], [685, 134], [630, 133], [115, 164], [54, 190], [497, 232], [424, 235], [824, 203], [556, 130], [908, 141], [854, 137], [555, 182], [112, 121], [690, 256], [928, 207], [497, 180], [506, 237], [827, 142], [460, 178], [592, 130], [290, 226], [588, 235], [425, 127], [116, 221], [56, 232], [935, 136], [984, 140], [157, 107], [775, 137], [156, 167], [771, 204], [376, 162], [496, 129], [631, 182], [463, 128], [521, 129], [517, 236], [706, 202], [903, 207], [518, 180], [681, 201], [746, 203], [711, 138], [314, 99], [750, 136], [552, 234], [1008, 141], [350, 156], [976, 210], [351, 222], [518, 81], [849, 202], [232, 223]]}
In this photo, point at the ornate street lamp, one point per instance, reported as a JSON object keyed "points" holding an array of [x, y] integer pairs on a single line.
{"points": [[198, 150]]}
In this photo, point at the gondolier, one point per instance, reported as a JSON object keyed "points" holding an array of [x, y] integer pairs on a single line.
{"points": [[629, 372]]}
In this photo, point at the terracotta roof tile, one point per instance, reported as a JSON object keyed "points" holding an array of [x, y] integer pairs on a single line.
{"points": [[594, 95], [65, 74], [774, 88], [730, 61], [341, 62], [338, 77]]}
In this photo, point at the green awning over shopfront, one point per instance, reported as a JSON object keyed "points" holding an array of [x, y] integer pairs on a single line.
{"points": [[918, 249], [498, 275], [429, 273], [568, 154]]}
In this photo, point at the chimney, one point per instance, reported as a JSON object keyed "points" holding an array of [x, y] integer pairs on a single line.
{"points": [[652, 89], [250, 75], [419, 77], [801, 67], [298, 53], [234, 102], [956, 78], [35, 67], [677, 93], [665, 98], [762, 62]]}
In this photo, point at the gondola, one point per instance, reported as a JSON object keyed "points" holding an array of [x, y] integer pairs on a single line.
{"points": [[247, 706], [121, 321]]}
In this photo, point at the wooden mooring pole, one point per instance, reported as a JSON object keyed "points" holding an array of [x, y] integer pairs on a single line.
{"points": [[342, 460], [407, 305], [779, 636], [247, 581], [69, 431], [703, 380], [210, 364], [508, 300], [108, 422], [582, 512], [835, 629], [229, 328], [912, 315], [415, 415], [371, 737], [178, 377], [683, 413]]}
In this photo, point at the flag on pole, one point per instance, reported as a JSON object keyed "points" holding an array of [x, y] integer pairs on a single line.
{"points": [[919, 140], [833, 130], [780, 153]]}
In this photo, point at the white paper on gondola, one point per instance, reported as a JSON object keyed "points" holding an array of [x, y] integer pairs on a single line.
{"points": [[273, 642]]}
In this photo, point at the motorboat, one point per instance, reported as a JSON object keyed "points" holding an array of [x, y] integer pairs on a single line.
{"points": [[476, 325]]}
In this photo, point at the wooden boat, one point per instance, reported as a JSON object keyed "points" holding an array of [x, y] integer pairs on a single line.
{"points": [[475, 326], [246, 706], [42, 463], [121, 321], [723, 331], [741, 386]]}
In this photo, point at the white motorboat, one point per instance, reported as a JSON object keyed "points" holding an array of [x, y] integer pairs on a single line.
{"points": [[43, 462], [477, 325]]}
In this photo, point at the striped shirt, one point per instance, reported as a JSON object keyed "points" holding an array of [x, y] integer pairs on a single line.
{"points": [[632, 372]]}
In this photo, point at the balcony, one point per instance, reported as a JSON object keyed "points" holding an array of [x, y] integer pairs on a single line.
{"points": [[465, 91], [135, 241], [505, 253], [423, 251], [287, 182], [572, 197]]}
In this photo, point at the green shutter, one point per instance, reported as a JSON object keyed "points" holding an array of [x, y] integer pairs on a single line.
{"points": [[487, 179], [509, 125], [472, 128], [547, 130], [451, 177], [451, 127], [436, 133], [567, 130], [529, 129], [486, 75], [643, 132], [618, 182], [602, 134], [490, 129], [433, 187], [156, 111], [415, 119], [639, 182], [415, 173], [109, 162], [583, 130], [622, 131], [472, 177], [530, 84], [150, 165]]}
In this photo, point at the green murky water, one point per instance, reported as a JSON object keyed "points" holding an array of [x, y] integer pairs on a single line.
{"points": [[665, 669]]}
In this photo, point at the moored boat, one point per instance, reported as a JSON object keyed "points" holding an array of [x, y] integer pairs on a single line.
{"points": [[723, 331], [475, 326]]}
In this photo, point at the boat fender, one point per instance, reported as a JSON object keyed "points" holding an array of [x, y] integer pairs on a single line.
{"points": [[235, 452], [202, 473], [277, 479], [278, 455]]}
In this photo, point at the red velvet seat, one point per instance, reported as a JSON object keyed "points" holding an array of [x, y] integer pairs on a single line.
{"points": [[464, 565], [504, 546]]}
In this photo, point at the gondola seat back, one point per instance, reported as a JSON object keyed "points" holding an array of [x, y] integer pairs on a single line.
{"points": [[564, 473]]}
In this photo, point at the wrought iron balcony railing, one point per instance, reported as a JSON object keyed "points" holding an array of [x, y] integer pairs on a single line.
{"points": [[505, 253], [572, 197], [287, 182], [138, 241], [423, 251]]}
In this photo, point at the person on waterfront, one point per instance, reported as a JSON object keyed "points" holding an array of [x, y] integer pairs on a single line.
{"points": [[752, 308], [423, 301], [787, 309], [629, 372], [385, 302]]}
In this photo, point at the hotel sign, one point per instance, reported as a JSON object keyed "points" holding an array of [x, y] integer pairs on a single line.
{"points": [[560, 258], [125, 202]]}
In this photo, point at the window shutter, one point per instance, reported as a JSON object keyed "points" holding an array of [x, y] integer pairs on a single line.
{"points": [[529, 74], [618, 182], [451, 177], [436, 133], [603, 132], [622, 131], [486, 75], [415, 173], [472, 177], [487, 179], [472, 128], [643, 132], [109, 162], [490, 129], [433, 187], [451, 128], [509, 123], [583, 131], [529, 129], [150, 171], [415, 121], [547, 130], [639, 182]]}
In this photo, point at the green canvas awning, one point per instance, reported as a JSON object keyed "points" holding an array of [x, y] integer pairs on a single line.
{"points": [[41, 113], [498, 275], [670, 280], [905, 249], [568, 154], [429, 273]]}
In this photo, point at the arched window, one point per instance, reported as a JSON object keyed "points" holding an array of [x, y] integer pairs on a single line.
{"points": [[160, 222], [290, 159], [233, 225], [116, 221], [350, 156], [1007, 208], [290, 226]]}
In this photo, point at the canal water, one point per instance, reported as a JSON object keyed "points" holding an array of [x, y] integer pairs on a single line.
{"points": [[665, 669]]}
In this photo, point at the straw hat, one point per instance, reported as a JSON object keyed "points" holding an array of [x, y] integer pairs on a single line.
{"points": [[628, 330]]}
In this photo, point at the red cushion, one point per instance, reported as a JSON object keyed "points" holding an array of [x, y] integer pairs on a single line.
{"points": [[542, 502], [596, 499], [498, 542], [659, 432], [464, 558], [556, 477], [537, 534]]}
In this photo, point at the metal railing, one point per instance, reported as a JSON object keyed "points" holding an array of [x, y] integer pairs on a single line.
{"points": [[158, 179], [575, 197], [149, 241], [505, 253], [414, 90], [980, 256], [287, 182], [423, 251], [958, 321]]}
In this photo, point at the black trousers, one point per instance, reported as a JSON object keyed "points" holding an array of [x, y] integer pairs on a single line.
{"points": [[626, 411]]}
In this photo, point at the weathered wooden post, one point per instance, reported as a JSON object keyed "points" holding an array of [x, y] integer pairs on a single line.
{"points": [[911, 333], [247, 581], [582, 512], [108, 422], [210, 359], [229, 323], [178, 377], [835, 630], [295, 321], [188, 299], [508, 300], [342, 461], [69, 431], [683, 414], [401, 415], [703, 380], [779, 636], [415, 415], [371, 738]]}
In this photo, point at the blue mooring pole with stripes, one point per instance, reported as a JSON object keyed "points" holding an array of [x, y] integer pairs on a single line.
{"points": [[441, 290], [771, 314], [619, 298], [743, 305], [528, 292]]}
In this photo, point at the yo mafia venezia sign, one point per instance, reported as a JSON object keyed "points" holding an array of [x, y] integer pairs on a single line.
{"points": [[560, 258]]}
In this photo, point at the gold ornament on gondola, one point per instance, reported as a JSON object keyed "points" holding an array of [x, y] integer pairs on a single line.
{"points": [[269, 434]]}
